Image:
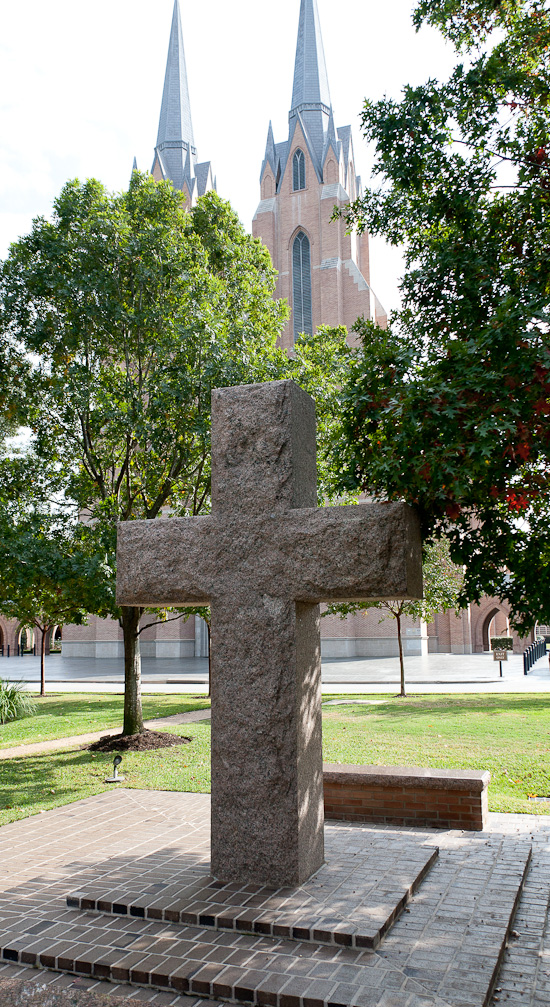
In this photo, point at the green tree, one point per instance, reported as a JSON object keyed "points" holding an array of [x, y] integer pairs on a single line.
{"points": [[443, 582], [51, 573], [129, 309], [320, 363], [449, 408]]}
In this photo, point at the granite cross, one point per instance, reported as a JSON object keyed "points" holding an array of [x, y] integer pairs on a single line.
{"points": [[263, 560]]}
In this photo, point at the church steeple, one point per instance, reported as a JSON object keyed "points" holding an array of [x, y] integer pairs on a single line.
{"points": [[310, 92], [323, 268], [175, 135], [175, 152]]}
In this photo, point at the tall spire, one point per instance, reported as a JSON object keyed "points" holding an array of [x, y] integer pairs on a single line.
{"points": [[310, 71], [310, 93], [175, 135], [175, 115]]}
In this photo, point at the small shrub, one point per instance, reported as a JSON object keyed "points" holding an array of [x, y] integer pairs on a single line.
{"points": [[14, 702], [502, 643]]}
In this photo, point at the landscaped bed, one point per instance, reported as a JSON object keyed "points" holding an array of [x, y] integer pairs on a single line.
{"points": [[70, 714], [507, 734]]}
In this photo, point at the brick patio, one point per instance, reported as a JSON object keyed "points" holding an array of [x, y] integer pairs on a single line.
{"points": [[444, 950]]}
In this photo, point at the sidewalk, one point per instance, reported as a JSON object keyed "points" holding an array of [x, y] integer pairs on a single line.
{"points": [[432, 673], [87, 739]]}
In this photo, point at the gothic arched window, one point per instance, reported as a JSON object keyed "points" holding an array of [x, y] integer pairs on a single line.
{"points": [[301, 284], [298, 171]]}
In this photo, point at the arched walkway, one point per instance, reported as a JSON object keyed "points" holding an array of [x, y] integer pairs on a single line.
{"points": [[25, 639], [482, 616], [486, 625], [53, 643]]}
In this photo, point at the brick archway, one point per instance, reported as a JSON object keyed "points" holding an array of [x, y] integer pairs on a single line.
{"points": [[7, 635], [485, 627], [481, 618]]}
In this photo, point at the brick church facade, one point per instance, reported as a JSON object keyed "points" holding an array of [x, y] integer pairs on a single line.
{"points": [[323, 271], [324, 274]]}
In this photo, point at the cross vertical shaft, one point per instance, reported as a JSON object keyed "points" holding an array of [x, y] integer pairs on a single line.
{"points": [[267, 785]]}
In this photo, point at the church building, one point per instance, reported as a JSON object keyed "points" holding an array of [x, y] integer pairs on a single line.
{"points": [[324, 272]]}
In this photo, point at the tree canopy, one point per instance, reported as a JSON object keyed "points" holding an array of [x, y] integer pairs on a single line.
{"points": [[126, 310], [51, 572], [449, 408]]}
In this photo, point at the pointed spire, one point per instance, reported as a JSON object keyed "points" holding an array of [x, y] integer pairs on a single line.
{"points": [[175, 116], [331, 138], [310, 92], [175, 153], [331, 131], [187, 173], [310, 71], [270, 157], [134, 166]]}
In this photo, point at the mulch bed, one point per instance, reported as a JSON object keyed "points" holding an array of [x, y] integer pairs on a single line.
{"points": [[14, 993], [145, 742]]}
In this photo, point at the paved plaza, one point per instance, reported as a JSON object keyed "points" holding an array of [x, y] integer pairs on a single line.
{"points": [[443, 950], [432, 673]]}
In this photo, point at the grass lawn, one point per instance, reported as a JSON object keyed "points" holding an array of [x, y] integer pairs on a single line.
{"points": [[507, 734], [64, 716]]}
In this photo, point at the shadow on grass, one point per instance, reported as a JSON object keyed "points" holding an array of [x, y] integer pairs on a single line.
{"points": [[411, 706], [45, 782]]}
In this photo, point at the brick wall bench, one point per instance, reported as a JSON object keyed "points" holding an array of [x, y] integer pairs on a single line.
{"points": [[407, 795]]}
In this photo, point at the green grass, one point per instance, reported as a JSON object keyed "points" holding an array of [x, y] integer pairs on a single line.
{"points": [[64, 716], [37, 783], [507, 734]]}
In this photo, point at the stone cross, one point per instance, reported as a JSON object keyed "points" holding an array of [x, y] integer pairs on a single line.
{"points": [[263, 560]]}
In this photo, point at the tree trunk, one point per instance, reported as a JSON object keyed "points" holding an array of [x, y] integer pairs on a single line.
{"points": [[133, 713], [209, 660], [42, 663], [401, 661]]}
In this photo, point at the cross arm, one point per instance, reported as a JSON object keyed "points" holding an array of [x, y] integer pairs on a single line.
{"points": [[162, 562], [369, 552]]}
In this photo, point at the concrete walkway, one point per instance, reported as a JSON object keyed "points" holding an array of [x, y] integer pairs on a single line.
{"points": [[431, 673], [81, 740]]}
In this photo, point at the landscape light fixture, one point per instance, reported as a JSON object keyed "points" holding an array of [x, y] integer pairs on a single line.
{"points": [[115, 778]]}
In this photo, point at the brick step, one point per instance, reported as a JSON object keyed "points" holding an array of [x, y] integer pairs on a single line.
{"points": [[455, 938], [445, 952], [216, 966], [352, 901]]}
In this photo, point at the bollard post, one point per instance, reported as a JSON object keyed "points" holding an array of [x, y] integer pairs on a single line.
{"points": [[8, 650]]}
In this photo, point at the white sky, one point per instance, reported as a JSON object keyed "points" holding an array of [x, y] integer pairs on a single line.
{"points": [[81, 86]]}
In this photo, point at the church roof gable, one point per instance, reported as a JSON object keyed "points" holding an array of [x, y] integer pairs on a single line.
{"points": [[296, 123]]}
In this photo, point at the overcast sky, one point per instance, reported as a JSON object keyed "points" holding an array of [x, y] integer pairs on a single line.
{"points": [[81, 86]]}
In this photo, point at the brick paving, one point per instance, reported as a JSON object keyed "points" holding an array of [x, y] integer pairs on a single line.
{"points": [[441, 952], [352, 901]]}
